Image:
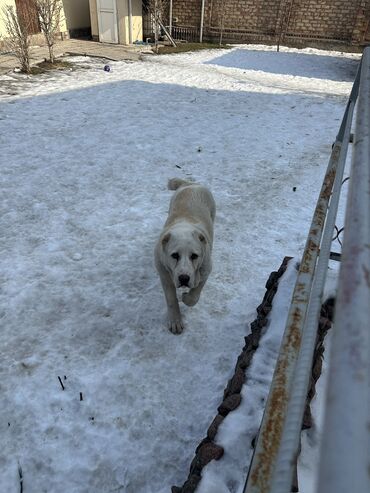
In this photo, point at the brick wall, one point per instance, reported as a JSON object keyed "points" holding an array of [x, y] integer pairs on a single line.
{"points": [[245, 20]]}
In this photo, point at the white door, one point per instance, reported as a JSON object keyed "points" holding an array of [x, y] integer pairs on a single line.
{"points": [[107, 21]]}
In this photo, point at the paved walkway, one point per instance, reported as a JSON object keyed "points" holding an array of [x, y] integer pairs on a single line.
{"points": [[76, 47]]}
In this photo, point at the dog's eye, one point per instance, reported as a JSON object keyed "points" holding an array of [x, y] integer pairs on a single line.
{"points": [[193, 256], [176, 256]]}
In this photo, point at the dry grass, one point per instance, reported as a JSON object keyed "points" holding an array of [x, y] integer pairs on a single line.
{"points": [[47, 66], [185, 47]]}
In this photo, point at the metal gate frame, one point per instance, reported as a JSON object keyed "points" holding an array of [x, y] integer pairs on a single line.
{"points": [[345, 457]]}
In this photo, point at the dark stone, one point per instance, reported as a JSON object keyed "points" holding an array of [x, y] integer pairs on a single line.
{"points": [[263, 322], [264, 308], [209, 451], [324, 324], [235, 383], [229, 404], [307, 418], [191, 484], [245, 359], [256, 336], [256, 325], [212, 430], [252, 340], [269, 296], [204, 441], [176, 489], [317, 367], [284, 266], [195, 466], [272, 280], [248, 341]]}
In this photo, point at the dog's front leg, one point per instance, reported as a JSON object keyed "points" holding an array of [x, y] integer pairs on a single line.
{"points": [[192, 297], [175, 323]]}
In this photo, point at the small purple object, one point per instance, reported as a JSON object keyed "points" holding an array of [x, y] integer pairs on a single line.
{"points": [[107, 68]]}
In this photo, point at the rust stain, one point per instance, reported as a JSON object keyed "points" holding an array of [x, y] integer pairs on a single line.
{"points": [[307, 260], [329, 180], [273, 426], [300, 293], [294, 337], [272, 431]]}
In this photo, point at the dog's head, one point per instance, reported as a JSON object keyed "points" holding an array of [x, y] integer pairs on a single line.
{"points": [[183, 251]]}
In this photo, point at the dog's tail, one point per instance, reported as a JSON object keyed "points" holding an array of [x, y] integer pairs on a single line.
{"points": [[175, 183]]}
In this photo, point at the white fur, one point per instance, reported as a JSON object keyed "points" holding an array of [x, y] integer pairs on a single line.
{"points": [[183, 250]]}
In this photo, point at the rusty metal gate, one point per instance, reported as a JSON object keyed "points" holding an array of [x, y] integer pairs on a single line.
{"points": [[346, 434]]}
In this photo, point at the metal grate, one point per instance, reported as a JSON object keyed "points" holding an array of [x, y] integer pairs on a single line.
{"points": [[186, 33]]}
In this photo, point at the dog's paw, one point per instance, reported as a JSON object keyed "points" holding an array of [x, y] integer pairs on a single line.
{"points": [[176, 326], [190, 299]]}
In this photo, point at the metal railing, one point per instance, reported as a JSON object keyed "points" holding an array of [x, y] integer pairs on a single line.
{"points": [[345, 462], [277, 446]]}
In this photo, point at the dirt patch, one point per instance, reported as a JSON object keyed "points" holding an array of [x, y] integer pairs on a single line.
{"points": [[185, 47], [47, 66]]}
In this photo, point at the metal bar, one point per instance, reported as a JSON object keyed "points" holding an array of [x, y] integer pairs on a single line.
{"points": [[129, 5], [290, 439], [261, 472], [172, 41], [201, 22], [335, 256], [346, 451], [170, 17]]}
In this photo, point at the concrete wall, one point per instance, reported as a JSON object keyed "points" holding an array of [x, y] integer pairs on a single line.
{"points": [[124, 19], [77, 13]]}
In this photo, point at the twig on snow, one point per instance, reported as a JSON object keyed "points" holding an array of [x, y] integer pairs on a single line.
{"points": [[61, 383], [20, 478]]}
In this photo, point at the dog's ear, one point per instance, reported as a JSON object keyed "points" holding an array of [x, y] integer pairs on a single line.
{"points": [[166, 239]]}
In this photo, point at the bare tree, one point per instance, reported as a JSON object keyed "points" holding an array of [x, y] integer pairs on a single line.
{"points": [[49, 13], [18, 39], [158, 10]]}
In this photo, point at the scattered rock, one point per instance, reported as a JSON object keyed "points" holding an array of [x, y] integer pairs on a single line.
{"points": [[207, 450], [235, 383], [244, 359], [229, 404], [213, 428], [191, 484]]}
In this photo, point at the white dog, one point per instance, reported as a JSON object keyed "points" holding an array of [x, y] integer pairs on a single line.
{"points": [[183, 251]]}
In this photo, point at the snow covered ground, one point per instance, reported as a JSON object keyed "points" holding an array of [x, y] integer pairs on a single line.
{"points": [[85, 157]]}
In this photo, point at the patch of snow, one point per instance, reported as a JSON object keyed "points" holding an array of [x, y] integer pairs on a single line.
{"points": [[85, 160]]}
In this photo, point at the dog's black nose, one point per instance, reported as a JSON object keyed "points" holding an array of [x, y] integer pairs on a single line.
{"points": [[184, 279]]}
